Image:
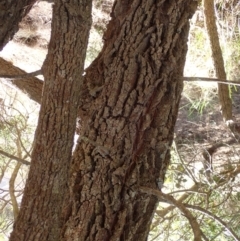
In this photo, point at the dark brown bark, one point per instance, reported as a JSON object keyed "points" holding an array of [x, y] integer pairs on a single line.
{"points": [[128, 111], [223, 92], [32, 86], [11, 13], [40, 217]]}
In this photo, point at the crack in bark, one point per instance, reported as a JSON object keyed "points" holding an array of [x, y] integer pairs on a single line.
{"points": [[139, 70]]}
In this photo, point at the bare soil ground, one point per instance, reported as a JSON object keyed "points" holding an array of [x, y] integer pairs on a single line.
{"points": [[205, 139]]}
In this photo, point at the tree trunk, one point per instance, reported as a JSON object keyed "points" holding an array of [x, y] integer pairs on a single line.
{"points": [[223, 92], [40, 216], [129, 105], [11, 13]]}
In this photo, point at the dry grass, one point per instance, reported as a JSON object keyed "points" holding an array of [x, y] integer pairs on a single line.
{"points": [[35, 28]]}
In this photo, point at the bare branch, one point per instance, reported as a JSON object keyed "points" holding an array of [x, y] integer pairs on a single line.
{"points": [[204, 237], [214, 217], [30, 85], [185, 166], [14, 157], [3, 169], [221, 81], [20, 76], [166, 210], [192, 220], [20, 141]]}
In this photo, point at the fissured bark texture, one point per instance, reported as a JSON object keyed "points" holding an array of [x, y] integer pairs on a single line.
{"points": [[129, 105], [11, 13], [40, 217]]}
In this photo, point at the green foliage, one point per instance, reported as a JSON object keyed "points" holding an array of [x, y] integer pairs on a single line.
{"points": [[200, 98], [17, 125], [231, 53], [198, 106], [6, 222]]}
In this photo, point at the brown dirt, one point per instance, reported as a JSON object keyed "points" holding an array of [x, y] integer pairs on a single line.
{"points": [[201, 138]]}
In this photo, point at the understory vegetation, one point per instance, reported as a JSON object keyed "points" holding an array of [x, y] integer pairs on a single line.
{"points": [[205, 165]]}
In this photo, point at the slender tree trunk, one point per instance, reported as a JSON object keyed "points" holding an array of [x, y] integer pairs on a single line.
{"points": [[12, 189], [11, 13], [40, 216], [129, 106], [223, 92]]}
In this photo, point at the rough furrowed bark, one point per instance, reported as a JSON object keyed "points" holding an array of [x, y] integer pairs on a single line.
{"points": [[128, 110], [31, 86], [11, 13], [40, 216]]}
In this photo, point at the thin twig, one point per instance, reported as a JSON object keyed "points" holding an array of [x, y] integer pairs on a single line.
{"points": [[184, 165], [185, 78], [182, 198], [221, 81], [192, 220], [214, 217]]}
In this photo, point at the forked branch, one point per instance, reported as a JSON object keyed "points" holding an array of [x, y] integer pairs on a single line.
{"points": [[192, 220], [214, 217]]}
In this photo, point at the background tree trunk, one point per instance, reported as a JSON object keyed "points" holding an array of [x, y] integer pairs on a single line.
{"points": [[223, 92], [40, 216], [129, 106], [11, 13]]}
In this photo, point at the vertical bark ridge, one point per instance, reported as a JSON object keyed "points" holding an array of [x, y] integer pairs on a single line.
{"points": [[127, 124], [41, 215]]}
